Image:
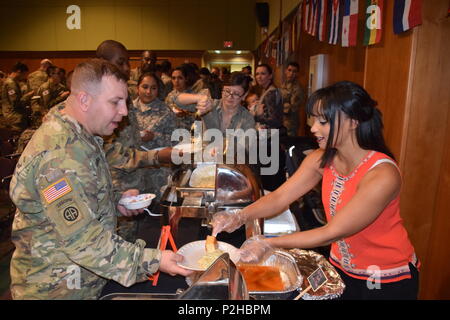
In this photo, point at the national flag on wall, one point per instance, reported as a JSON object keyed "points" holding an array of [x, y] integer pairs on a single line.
{"points": [[322, 20], [314, 22], [311, 13], [287, 44], [299, 19], [374, 22], [306, 16], [334, 16], [407, 15], [349, 23]]}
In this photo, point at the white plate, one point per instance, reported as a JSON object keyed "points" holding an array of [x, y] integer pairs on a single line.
{"points": [[137, 202], [193, 251]]}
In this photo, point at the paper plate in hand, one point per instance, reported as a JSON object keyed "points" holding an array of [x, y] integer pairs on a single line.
{"points": [[193, 251], [137, 202]]}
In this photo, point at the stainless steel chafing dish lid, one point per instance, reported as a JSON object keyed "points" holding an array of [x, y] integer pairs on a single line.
{"points": [[220, 281], [234, 185]]}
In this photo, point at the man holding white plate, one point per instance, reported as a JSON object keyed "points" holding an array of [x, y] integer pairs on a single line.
{"points": [[64, 228]]}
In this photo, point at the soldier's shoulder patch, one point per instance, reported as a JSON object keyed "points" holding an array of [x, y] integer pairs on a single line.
{"points": [[11, 92], [68, 214], [56, 190]]}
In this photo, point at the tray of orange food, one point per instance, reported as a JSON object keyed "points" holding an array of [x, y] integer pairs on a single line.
{"points": [[278, 277]]}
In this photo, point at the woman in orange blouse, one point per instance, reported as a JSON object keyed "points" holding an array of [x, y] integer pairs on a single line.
{"points": [[360, 192]]}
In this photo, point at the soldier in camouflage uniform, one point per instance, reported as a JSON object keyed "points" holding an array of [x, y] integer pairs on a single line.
{"points": [[13, 102], [130, 142], [183, 79], [156, 123], [2, 79], [38, 77], [293, 98], [148, 64], [48, 95], [64, 228], [52, 91]]}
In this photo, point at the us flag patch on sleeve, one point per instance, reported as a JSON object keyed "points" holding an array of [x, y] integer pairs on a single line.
{"points": [[56, 190]]}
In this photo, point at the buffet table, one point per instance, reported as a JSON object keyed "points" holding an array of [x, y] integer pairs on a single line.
{"points": [[189, 230]]}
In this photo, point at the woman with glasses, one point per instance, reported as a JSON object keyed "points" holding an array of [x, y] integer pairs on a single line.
{"points": [[226, 113]]}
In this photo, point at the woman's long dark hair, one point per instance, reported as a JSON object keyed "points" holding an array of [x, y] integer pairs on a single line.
{"points": [[269, 70], [158, 80], [351, 99]]}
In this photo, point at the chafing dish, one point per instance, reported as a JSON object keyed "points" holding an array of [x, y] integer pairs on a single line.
{"points": [[221, 281], [230, 187], [289, 272]]}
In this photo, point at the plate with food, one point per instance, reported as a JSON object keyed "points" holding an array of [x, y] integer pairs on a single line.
{"points": [[199, 255], [137, 202]]}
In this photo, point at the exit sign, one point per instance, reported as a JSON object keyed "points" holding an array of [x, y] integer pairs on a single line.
{"points": [[228, 44]]}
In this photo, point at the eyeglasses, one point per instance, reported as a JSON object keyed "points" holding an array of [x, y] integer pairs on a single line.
{"points": [[231, 94]]}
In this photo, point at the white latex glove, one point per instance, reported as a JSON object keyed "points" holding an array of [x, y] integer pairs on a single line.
{"points": [[227, 221], [255, 250]]}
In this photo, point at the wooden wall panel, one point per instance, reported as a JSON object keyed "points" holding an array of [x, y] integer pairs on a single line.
{"points": [[387, 76], [426, 165], [435, 272]]}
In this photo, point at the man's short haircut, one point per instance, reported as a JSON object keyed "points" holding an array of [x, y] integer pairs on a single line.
{"points": [[51, 69], [204, 71], [166, 66], [294, 64], [88, 75], [19, 66], [44, 61], [106, 51]]}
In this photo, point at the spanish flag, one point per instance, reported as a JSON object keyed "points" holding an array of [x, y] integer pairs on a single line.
{"points": [[374, 21]]}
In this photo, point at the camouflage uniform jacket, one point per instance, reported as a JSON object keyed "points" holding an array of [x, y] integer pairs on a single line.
{"points": [[36, 79], [159, 119], [122, 148], [242, 119], [293, 97], [50, 95], [13, 103], [272, 117], [185, 114], [63, 230]]}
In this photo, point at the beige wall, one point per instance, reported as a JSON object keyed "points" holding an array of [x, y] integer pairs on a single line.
{"points": [[277, 8], [152, 24]]}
